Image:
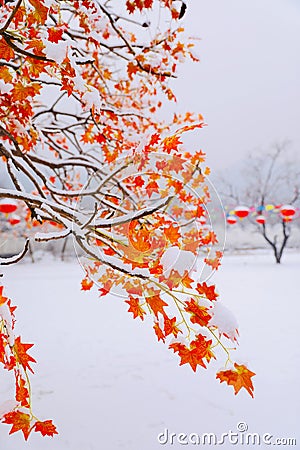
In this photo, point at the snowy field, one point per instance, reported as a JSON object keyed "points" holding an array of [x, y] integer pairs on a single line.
{"points": [[108, 384]]}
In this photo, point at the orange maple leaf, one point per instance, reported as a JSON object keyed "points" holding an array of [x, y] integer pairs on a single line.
{"points": [[40, 11], [21, 353], [132, 69], [172, 234], [199, 350], [2, 298], [159, 333], [213, 262], [238, 378], [46, 428], [156, 304], [36, 67], [187, 280], [4, 72], [21, 91], [199, 314], [176, 163], [19, 421], [139, 236], [170, 326], [6, 51], [135, 308], [22, 394], [208, 291]]}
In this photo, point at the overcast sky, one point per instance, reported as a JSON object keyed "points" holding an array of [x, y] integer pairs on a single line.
{"points": [[247, 84]]}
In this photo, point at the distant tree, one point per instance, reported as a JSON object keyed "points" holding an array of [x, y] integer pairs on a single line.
{"points": [[268, 182]]}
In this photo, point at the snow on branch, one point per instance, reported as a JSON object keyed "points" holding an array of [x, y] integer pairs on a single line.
{"points": [[14, 259]]}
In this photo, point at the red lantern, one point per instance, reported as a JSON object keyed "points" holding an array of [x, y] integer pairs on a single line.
{"points": [[241, 211], [287, 219], [14, 220], [8, 207], [287, 210], [261, 219], [231, 220]]}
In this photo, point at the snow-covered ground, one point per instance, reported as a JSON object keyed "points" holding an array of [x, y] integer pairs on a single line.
{"points": [[108, 384]]}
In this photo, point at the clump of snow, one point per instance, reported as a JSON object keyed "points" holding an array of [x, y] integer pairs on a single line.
{"points": [[57, 52], [6, 316], [79, 83], [226, 322], [5, 87], [7, 406], [91, 98], [179, 260]]}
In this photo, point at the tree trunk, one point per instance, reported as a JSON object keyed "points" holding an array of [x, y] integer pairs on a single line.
{"points": [[277, 252]]}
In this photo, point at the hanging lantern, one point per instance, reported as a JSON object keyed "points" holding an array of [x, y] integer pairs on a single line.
{"points": [[14, 220], [287, 218], [270, 207], [287, 210], [8, 206], [241, 211], [231, 220], [260, 219]]}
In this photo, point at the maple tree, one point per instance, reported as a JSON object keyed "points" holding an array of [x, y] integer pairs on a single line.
{"points": [[81, 142]]}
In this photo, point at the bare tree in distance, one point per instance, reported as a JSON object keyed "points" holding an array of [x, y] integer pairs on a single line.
{"points": [[270, 177]]}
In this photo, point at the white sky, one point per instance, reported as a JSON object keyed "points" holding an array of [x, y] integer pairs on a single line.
{"points": [[247, 84]]}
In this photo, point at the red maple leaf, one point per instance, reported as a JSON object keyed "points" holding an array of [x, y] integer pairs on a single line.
{"points": [[151, 187], [46, 428], [161, 164], [155, 138], [148, 3], [138, 181], [171, 143], [2, 298], [130, 5], [86, 284], [55, 34]]}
